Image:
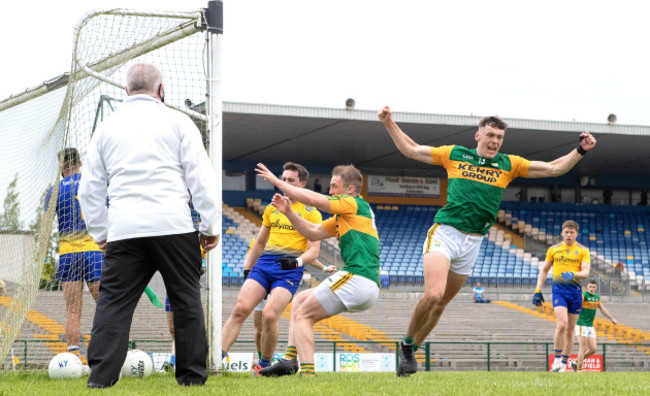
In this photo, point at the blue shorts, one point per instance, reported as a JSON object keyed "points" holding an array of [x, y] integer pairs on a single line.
{"points": [[268, 273], [74, 266], [572, 301]]}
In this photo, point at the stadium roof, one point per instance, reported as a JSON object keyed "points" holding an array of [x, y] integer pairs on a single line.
{"points": [[323, 137], [326, 136]]}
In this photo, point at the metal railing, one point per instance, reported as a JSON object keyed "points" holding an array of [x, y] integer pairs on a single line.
{"points": [[438, 355]]}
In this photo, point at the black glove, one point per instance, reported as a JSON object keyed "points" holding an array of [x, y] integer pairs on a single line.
{"points": [[246, 273], [289, 263]]}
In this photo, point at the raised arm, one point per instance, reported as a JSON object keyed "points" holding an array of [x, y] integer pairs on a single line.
{"points": [[404, 144], [311, 231], [562, 165], [308, 197]]}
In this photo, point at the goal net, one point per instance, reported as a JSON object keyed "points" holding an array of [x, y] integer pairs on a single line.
{"points": [[45, 133]]}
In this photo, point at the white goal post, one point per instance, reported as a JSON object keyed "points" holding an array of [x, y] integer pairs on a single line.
{"points": [[38, 124]]}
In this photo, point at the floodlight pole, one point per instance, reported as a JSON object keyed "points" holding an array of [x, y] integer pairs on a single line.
{"points": [[214, 20]]}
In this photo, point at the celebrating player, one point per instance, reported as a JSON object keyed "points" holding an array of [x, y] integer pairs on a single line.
{"points": [[571, 263], [354, 288], [585, 326], [79, 256], [477, 179], [277, 240]]}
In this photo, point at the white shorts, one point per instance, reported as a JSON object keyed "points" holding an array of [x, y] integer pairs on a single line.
{"points": [[260, 306], [344, 291], [460, 249], [585, 331]]}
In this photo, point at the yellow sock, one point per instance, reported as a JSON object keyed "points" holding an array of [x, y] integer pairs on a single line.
{"points": [[307, 369], [291, 353]]}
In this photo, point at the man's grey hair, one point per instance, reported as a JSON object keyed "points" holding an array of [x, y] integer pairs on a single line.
{"points": [[143, 78]]}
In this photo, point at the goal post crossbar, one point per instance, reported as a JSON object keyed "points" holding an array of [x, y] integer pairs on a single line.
{"points": [[94, 70]]}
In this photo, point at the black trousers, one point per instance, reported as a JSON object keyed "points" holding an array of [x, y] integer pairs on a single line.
{"points": [[128, 267]]}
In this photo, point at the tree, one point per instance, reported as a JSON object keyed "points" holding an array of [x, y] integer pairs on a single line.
{"points": [[10, 217]]}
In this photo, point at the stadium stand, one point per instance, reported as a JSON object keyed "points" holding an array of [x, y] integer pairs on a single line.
{"points": [[402, 229], [612, 233], [466, 327]]}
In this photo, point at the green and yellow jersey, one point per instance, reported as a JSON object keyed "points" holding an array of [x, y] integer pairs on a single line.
{"points": [[567, 259], [590, 302], [353, 224], [284, 239], [476, 186]]}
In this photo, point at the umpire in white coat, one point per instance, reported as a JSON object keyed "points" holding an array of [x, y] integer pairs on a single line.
{"points": [[148, 159]]}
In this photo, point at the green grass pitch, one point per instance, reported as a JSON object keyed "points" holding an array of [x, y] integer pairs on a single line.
{"points": [[431, 383]]}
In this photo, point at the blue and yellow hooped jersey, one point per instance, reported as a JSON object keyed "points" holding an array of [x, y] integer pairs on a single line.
{"points": [[284, 239], [567, 259], [73, 234]]}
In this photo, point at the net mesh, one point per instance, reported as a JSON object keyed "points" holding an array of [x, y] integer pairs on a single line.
{"points": [[42, 234]]}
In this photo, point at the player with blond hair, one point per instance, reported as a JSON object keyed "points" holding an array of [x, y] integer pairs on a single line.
{"points": [[277, 240], [355, 287]]}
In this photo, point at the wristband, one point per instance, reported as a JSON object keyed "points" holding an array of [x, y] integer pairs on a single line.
{"points": [[580, 150], [538, 290], [299, 260], [324, 269]]}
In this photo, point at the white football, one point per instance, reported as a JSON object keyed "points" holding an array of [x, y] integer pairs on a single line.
{"points": [[65, 365], [138, 364]]}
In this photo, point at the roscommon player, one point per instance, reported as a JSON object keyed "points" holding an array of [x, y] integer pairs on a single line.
{"points": [[571, 264]]}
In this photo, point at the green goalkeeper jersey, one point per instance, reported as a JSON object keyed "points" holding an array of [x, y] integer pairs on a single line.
{"points": [[476, 185], [590, 302]]}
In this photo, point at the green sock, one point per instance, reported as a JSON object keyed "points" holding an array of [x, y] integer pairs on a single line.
{"points": [[259, 355], [408, 340], [291, 353], [307, 369], [415, 347]]}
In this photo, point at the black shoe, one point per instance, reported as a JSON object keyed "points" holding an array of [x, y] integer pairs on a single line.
{"points": [[93, 385], [407, 363], [282, 367]]}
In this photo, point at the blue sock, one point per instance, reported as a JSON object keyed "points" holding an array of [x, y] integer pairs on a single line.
{"points": [[558, 353], [264, 363], [564, 359]]}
